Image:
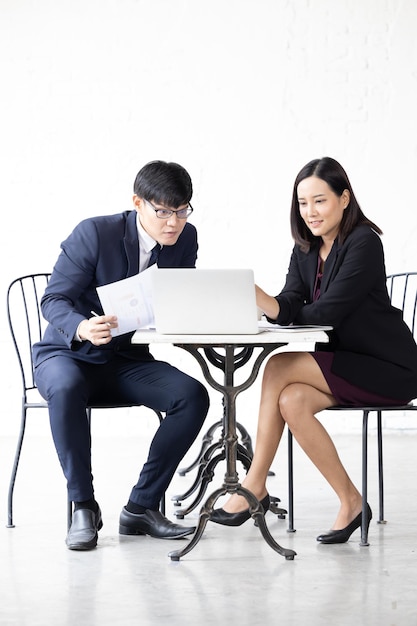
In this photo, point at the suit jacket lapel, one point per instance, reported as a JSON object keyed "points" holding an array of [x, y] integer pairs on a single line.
{"points": [[131, 244], [310, 261], [330, 266]]}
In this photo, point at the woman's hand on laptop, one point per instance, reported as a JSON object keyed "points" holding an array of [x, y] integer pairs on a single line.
{"points": [[268, 304]]}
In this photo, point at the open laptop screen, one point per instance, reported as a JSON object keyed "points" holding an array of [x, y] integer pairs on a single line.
{"points": [[204, 301]]}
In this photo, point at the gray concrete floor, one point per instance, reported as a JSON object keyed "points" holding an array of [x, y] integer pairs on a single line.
{"points": [[232, 576]]}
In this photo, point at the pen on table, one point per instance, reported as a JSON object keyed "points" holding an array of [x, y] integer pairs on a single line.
{"points": [[97, 315]]}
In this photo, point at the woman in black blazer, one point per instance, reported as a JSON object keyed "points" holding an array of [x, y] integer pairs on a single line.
{"points": [[336, 277]]}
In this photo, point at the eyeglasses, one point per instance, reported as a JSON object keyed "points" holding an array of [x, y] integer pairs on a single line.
{"points": [[164, 214]]}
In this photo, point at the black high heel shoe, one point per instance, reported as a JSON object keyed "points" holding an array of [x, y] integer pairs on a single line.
{"points": [[220, 516], [341, 536]]}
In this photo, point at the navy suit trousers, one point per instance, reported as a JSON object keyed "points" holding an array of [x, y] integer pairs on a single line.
{"points": [[70, 385]]}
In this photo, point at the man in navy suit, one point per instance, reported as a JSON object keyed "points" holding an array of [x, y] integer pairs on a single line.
{"points": [[78, 362]]}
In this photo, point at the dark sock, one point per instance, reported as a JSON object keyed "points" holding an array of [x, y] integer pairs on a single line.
{"points": [[132, 507], [87, 504]]}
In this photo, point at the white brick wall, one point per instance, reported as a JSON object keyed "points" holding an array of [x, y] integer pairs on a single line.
{"points": [[241, 92]]}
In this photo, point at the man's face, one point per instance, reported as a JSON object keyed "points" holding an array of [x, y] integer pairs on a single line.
{"points": [[166, 230]]}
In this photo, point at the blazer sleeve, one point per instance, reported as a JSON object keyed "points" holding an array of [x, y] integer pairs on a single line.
{"points": [[73, 275]]}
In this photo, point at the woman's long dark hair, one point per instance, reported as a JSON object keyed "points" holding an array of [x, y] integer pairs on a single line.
{"points": [[335, 176]]}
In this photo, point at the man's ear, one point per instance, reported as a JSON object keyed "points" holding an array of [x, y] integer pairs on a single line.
{"points": [[137, 202]]}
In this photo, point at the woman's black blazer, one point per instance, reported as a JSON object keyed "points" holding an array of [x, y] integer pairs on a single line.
{"points": [[373, 346]]}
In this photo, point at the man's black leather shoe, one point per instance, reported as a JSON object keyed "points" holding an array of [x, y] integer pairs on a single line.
{"points": [[151, 523], [83, 533]]}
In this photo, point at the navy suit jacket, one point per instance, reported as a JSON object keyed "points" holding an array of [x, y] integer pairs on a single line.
{"points": [[373, 347], [100, 250]]}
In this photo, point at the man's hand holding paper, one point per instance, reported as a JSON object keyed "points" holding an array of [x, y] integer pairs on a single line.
{"points": [[130, 300]]}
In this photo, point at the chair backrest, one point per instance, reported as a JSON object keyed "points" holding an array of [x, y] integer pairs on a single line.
{"points": [[402, 289], [25, 320]]}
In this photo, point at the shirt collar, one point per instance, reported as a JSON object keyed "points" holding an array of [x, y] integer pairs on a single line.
{"points": [[146, 242]]}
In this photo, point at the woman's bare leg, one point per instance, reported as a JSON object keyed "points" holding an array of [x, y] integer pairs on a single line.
{"points": [[298, 405], [280, 371], [293, 390]]}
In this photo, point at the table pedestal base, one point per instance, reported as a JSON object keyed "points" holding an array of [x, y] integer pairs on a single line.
{"points": [[257, 515], [234, 357]]}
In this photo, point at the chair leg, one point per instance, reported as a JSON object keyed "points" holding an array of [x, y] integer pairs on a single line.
{"points": [[291, 528], [381, 519], [15, 467], [364, 527]]}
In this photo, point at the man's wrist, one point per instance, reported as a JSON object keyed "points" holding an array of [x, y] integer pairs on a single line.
{"points": [[77, 336]]}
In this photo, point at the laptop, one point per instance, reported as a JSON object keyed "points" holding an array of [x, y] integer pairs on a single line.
{"points": [[204, 301]]}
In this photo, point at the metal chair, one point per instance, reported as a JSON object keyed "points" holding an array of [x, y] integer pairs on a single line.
{"points": [[402, 289], [26, 327]]}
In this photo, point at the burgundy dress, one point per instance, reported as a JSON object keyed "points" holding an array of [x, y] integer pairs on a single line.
{"points": [[344, 392]]}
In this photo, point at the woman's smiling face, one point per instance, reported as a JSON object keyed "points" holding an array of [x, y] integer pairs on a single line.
{"points": [[321, 208]]}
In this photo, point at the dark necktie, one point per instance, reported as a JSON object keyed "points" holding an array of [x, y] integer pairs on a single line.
{"points": [[154, 254]]}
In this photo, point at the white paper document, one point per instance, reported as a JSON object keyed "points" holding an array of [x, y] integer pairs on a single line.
{"points": [[130, 300], [265, 325]]}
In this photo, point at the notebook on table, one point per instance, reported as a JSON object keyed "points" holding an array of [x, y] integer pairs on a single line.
{"points": [[204, 301]]}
